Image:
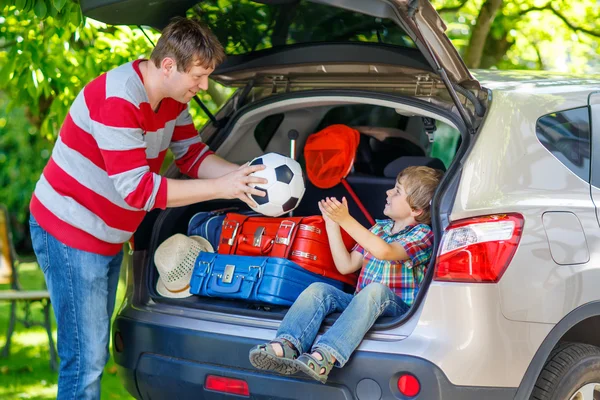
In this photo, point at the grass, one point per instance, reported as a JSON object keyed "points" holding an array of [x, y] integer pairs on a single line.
{"points": [[26, 373]]}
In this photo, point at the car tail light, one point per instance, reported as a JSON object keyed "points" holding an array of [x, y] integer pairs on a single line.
{"points": [[227, 385], [408, 385], [478, 249]]}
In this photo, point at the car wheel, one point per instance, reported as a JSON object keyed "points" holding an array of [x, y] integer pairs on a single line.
{"points": [[572, 372]]}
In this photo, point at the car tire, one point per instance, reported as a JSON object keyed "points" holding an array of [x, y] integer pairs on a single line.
{"points": [[569, 368]]}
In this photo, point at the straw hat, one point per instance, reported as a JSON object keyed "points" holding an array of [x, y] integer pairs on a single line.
{"points": [[174, 259]]}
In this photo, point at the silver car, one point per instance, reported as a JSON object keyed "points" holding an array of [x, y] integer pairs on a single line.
{"points": [[510, 306]]}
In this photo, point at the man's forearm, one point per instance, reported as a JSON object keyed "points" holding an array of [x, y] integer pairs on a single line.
{"points": [[214, 166], [185, 192]]}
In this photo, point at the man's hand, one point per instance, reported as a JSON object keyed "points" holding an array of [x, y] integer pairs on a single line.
{"points": [[235, 185], [335, 211]]}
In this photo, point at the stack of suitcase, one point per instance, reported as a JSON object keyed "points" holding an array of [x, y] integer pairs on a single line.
{"points": [[262, 259]]}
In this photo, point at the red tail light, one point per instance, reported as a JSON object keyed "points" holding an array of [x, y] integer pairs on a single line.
{"points": [[227, 385], [478, 249]]}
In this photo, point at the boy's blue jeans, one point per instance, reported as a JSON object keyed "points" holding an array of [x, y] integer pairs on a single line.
{"points": [[359, 312], [82, 289]]}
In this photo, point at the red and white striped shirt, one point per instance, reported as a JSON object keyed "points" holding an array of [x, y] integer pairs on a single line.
{"points": [[102, 176]]}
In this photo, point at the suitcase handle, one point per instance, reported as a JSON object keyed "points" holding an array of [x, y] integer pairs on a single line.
{"points": [[215, 286], [246, 249]]}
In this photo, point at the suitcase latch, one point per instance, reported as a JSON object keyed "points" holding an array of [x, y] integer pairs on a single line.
{"points": [[284, 232], [258, 233], [309, 228], [303, 254], [230, 225], [228, 273]]}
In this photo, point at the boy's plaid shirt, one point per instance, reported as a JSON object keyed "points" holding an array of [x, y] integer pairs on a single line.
{"points": [[403, 277]]}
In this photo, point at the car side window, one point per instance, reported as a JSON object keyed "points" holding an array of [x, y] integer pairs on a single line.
{"points": [[265, 130], [566, 134]]}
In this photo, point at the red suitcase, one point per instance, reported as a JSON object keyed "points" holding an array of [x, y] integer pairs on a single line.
{"points": [[302, 240]]}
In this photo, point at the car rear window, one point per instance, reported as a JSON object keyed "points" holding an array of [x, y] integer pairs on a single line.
{"points": [[247, 26], [566, 134]]}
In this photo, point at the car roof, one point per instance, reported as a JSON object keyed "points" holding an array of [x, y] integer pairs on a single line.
{"points": [[536, 81]]}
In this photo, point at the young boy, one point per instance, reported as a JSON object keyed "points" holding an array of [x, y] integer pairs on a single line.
{"points": [[393, 256]]}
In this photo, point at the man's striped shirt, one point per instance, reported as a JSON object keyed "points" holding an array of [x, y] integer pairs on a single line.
{"points": [[102, 176]]}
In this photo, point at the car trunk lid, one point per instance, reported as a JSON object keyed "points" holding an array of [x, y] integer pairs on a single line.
{"points": [[282, 42]]}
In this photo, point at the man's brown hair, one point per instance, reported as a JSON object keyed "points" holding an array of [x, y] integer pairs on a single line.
{"points": [[420, 183], [188, 42]]}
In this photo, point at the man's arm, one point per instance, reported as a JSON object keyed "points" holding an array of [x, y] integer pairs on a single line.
{"points": [[229, 186], [214, 166]]}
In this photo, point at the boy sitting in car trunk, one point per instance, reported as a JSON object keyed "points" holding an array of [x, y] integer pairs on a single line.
{"points": [[393, 256]]}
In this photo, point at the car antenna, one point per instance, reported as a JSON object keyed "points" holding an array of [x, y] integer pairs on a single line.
{"points": [[198, 101]]}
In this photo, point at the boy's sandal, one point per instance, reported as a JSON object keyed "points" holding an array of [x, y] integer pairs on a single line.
{"points": [[264, 357], [315, 368]]}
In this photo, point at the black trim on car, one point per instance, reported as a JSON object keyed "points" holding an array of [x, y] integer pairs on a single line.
{"points": [[323, 53], [135, 12], [161, 360], [588, 310]]}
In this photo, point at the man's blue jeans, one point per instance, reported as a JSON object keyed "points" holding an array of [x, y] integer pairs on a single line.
{"points": [[301, 323], [82, 289]]}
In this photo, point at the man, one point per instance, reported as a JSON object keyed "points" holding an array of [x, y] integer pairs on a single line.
{"points": [[103, 177]]}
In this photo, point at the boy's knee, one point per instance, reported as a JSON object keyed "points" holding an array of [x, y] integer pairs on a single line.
{"points": [[317, 289], [377, 291]]}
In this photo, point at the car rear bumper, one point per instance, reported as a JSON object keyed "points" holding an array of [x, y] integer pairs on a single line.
{"points": [[160, 362]]}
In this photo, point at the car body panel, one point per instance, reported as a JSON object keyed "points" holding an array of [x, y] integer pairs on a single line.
{"points": [[511, 171]]}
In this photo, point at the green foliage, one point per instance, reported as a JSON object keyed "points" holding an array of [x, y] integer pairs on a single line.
{"points": [[47, 60], [531, 34], [23, 154]]}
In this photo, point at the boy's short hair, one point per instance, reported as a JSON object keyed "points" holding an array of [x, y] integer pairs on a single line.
{"points": [[188, 42], [420, 183]]}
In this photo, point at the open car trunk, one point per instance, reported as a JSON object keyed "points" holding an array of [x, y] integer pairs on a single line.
{"points": [[392, 127], [384, 67]]}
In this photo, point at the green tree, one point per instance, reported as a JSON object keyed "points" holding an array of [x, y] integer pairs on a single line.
{"points": [[525, 34], [48, 52]]}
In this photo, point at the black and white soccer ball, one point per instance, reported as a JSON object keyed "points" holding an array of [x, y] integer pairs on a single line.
{"points": [[285, 186]]}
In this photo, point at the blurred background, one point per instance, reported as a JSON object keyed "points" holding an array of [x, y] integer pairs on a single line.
{"points": [[48, 52]]}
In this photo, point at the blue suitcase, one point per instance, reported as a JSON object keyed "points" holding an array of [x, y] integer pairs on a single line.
{"points": [[267, 280]]}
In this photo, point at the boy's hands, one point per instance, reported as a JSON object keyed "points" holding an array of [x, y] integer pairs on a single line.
{"points": [[334, 211], [325, 215], [235, 184]]}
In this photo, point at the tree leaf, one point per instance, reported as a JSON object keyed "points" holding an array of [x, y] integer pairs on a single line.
{"points": [[8, 68], [40, 8], [59, 4], [20, 4]]}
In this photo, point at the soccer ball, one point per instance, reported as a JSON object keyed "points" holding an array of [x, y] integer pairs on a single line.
{"points": [[285, 186]]}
